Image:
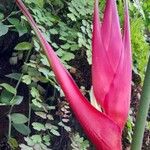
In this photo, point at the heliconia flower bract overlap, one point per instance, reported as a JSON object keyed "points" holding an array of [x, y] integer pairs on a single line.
{"points": [[111, 77]]}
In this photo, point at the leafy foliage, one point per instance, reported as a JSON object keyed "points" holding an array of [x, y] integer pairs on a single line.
{"points": [[68, 27]]}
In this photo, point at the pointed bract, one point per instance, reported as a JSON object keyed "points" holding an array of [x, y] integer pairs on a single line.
{"points": [[102, 72], [111, 33], [102, 127], [111, 67]]}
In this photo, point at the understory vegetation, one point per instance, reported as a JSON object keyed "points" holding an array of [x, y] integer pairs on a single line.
{"points": [[34, 113]]}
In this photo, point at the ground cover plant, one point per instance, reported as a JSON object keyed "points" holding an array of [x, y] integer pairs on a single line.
{"points": [[35, 114]]}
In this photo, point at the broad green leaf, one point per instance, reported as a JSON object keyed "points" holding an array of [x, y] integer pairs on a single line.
{"points": [[24, 46], [22, 128], [3, 29], [8, 87], [16, 100], [6, 97], [18, 118]]}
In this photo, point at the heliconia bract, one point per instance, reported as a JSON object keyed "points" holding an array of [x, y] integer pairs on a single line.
{"points": [[111, 77]]}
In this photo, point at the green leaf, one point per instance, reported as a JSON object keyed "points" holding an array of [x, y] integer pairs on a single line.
{"points": [[36, 138], [41, 114], [65, 46], [13, 143], [6, 97], [45, 71], [22, 128], [18, 118], [71, 16], [16, 100], [26, 79], [40, 3], [36, 103], [38, 126], [15, 76], [25, 147], [9, 88], [67, 56], [44, 60], [35, 93], [22, 29], [3, 29], [24, 46], [53, 31], [1, 16], [14, 21], [55, 132]]}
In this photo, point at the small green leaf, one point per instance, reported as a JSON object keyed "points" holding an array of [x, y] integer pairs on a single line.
{"points": [[25, 147], [41, 114], [45, 71], [9, 88], [18, 118], [26, 79], [36, 103], [55, 132], [65, 46], [15, 76], [35, 93], [13, 143], [36, 138], [71, 16], [24, 46], [22, 29], [53, 31], [3, 29], [67, 56], [1, 16], [22, 128], [44, 60], [38, 126]]}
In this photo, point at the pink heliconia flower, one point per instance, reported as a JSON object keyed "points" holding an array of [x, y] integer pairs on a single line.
{"points": [[111, 77]]}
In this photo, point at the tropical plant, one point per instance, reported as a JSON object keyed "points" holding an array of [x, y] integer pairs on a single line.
{"points": [[117, 68]]}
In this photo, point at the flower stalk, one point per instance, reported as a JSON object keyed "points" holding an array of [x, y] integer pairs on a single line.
{"points": [[142, 112]]}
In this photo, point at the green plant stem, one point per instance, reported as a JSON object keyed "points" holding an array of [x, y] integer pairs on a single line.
{"points": [[142, 113], [9, 128], [12, 106], [29, 114]]}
